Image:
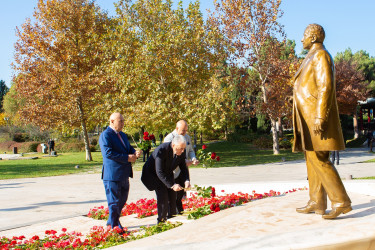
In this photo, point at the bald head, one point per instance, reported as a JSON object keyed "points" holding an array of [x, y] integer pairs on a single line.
{"points": [[116, 121], [181, 127]]}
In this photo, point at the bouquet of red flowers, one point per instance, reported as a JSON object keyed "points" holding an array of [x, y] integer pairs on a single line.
{"points": [[146, 142], [208, 159]]}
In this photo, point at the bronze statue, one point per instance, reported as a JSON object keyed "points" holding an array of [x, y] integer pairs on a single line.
{"points": [[317, 128]]}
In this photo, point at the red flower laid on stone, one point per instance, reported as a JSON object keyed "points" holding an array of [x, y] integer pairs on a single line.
{"points": [[213, 193]]}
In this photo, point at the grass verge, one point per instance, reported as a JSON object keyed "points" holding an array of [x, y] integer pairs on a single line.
{"points": [[49, 166]]}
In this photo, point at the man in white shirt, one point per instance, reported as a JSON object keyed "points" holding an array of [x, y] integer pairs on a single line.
{"points": [[181, 129]]}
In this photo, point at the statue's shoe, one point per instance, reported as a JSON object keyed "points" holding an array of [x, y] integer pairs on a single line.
{"points": [[337, 211], [311, 208]]}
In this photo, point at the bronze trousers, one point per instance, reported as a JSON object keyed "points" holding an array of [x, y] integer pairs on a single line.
{"points": [[324, 180]]}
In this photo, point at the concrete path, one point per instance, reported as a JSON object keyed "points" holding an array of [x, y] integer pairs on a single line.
{"points": [[30, 206]]}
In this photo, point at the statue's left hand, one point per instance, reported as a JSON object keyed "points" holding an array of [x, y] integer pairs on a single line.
{"points": [[319, 126]]}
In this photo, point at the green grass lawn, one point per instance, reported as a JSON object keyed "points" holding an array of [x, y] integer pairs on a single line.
{"points": [[231, 154], [242, 154], [63, 164]]}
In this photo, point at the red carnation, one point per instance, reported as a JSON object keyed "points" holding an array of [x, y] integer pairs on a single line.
{"points": [[204, 147], [152, 137], [213, 193], [145, 133], [218, 158], [213, 155]]}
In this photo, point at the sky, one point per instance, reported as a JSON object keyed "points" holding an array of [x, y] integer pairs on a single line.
{"points": [[347, 24]]}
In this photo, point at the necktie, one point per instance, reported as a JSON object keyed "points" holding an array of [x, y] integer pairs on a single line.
{"points": [[119, 136]]}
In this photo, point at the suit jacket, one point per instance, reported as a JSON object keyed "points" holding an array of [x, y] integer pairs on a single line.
{"points": [[314, 96], [115, 156], [158, 170]]}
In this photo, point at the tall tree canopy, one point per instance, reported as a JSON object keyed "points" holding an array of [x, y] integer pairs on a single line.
{"points": [[254, 33], [3, 90], [170, 56], [364, 63], [58, 59]]}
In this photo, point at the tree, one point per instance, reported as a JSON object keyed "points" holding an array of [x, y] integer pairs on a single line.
{"points": [[351, 87], [58, 59], [251, 27], [173, 56], [3, 90], [365, 64], [11, 104]]}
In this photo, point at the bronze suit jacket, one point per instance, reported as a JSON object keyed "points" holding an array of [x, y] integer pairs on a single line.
{"points": [[314, 96]]}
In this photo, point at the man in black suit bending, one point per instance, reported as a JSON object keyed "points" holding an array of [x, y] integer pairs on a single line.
{"points": [[157, 174]]}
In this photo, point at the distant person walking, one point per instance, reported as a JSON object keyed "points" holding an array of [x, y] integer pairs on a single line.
{"points": [[161, 138], [369, 138], [51, 145]]}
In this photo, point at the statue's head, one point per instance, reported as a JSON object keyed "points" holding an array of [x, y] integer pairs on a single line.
{"points": [[314, 33]]}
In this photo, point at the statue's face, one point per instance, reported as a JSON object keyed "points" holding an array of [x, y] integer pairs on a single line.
{"points": [[307, 40]]}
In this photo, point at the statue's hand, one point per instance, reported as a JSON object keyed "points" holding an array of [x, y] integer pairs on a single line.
{"points": [[319, 126]]}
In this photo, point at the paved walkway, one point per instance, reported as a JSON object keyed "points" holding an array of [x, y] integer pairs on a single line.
{"points": [[30, 206]]}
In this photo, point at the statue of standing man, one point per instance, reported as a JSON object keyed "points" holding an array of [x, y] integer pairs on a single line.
{"points": [[317, 129]]}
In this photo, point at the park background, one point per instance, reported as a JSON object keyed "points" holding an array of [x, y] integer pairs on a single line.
{"points": [[157, 63]]}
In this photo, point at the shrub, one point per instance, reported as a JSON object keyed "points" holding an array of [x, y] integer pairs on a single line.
{"points": [[285, 143], [94, 142], [92, 148], [263, 142], [70, 147], [20, 137], [22, 147], [356, 143], [33, 147], [242, 137]]}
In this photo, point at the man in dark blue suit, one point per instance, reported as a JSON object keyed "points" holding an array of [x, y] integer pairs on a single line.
{"points": [[157, 174], [118, 155]]}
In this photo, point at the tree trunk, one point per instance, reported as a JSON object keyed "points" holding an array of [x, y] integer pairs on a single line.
{"points": [[355, 125], [84, 130], [226, 133], [201, 138], [280, 129], [275, 138]]}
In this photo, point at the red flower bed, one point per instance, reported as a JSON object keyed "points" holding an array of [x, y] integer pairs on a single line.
{"points": [[143, 208], [64, 240]]}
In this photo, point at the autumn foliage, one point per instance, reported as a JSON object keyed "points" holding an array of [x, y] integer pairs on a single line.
{"points": [[58, 59]]}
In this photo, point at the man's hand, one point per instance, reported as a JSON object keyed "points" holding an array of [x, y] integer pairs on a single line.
{"points": [[195, 161], [319, 126], [132, 158], [187, 185], [138, 153], [188, 163], [176, 187]]}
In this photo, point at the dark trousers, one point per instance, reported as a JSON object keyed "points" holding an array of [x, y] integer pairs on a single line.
{"points": [[146, 154], [117, 194], [180, 194], [166, 200], [335, 156]]}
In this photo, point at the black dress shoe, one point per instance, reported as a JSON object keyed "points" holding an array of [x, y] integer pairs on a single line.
{"points": [[311, 208], [337, 211]]}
